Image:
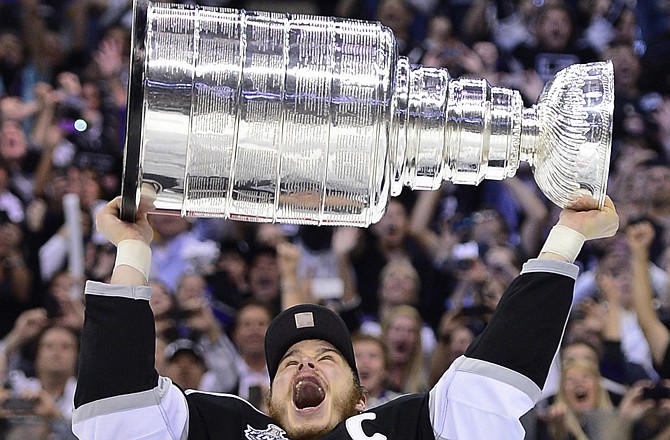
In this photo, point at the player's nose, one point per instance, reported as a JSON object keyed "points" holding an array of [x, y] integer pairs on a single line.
{"points": [[306, 362]]}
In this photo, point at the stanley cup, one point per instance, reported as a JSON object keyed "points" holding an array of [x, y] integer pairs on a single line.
{"points": [[311, 120]]}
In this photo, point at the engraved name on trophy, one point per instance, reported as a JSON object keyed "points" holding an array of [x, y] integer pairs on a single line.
{"points": [[302, 119]]}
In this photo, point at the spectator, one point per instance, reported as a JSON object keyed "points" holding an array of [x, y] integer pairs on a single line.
{"points": [[598, 23], [660, 117], [654, 77], [10, 204], [453, 340], [15, 276], [611, 305], [507, 23], [644, 412], [54, 255], [200, 324], [26, 327], [13, 58], [387, 240], [19, 158], [555, 46], [657, 185], [248, 334], [264, 277], [51, 391], [446, 50], [176, 251], [399, 16], [603, 356], [640, 236], [627, 29], [64, 301], [229, 283], [185, 365], [372, 360], [165, 312], [626, 184], [399, 284], [333, 286], [401, 332], [631, 109], [582, 409]]}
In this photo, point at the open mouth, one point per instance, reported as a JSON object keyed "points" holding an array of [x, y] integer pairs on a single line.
{"points": [[308, 393], [581, 395], [403, 347]]}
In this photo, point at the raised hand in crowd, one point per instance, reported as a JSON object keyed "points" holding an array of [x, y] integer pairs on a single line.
{"points": [[661, 118], [26, 327], [634, 405], [344, 242], [200, 318], [640, 236], [293, 289], [67, 295], [111, 63], [109, 57], [13, 269]]}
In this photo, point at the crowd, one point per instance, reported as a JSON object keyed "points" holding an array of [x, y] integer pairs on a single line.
{"points": [[415, 288]]}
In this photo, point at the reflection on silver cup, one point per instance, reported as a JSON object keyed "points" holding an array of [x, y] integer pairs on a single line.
{"points": [[302, 119]]}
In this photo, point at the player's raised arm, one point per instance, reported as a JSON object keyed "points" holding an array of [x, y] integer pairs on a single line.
{"points": [[119, 394], [503, 371]]}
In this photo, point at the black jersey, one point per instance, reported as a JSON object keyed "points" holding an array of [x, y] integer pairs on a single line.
{"points": [[481, 396]]}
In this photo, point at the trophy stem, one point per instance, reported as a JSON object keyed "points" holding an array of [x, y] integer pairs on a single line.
{"points": [[458, 130], [530, 133]]}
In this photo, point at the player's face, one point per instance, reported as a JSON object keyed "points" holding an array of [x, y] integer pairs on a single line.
{"points": [[313, 390]]}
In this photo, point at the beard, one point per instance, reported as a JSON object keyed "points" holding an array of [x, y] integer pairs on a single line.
{"points": [[344, 405]]}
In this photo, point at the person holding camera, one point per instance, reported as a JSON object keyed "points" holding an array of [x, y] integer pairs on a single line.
{"points": [[44, 398]]}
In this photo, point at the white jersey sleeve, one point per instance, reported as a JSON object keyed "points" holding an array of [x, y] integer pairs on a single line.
{"points": [[160, 413], [119, 394], [502, 373]]}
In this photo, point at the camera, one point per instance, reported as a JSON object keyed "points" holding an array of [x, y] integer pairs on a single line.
{"points": [[465, 255], [179, 314], [19, 404], [657, 392]]}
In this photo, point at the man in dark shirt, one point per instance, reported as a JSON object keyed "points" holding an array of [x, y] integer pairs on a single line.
{"points": [[315, 391]]}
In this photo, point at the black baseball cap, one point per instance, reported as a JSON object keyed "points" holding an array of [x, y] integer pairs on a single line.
{"points": [[184, 345], [306, 321]]}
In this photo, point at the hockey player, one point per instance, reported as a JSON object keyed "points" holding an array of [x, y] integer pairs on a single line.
{"points": [[315, 393]]}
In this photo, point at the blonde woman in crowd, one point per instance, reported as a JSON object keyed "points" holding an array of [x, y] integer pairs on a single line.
{"points": [[401, 331], [583, 409]]}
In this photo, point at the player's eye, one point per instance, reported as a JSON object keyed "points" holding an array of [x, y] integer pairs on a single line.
{"points": [[327, 357]]}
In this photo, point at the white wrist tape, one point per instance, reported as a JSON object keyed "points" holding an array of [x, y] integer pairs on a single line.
{"points": [[565, 242], [134, 253]]}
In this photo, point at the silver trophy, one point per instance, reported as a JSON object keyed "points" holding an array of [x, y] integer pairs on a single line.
{"points": [[301, 119]]}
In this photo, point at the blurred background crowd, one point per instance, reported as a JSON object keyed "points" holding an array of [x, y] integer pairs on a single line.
{"points": [[415, 288]]}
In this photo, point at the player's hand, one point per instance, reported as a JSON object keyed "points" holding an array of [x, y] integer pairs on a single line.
{"points": [[583, 216], [115, 230]]}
